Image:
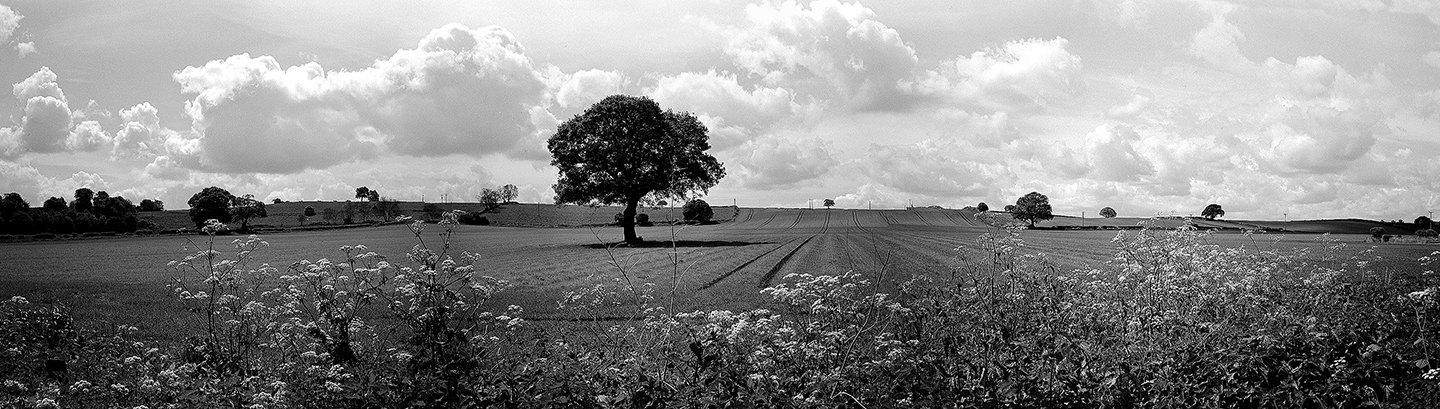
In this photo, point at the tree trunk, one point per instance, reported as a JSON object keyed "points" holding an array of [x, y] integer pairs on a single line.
{"points": [[628, 221]]}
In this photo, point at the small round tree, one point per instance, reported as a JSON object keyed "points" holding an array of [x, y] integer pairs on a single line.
{"points": [[829, 203], [1033, 207], [1107, 212], [982, 207], [625, 148], [1212, 211], [697, 210], [211, 203], [1424, 222]]}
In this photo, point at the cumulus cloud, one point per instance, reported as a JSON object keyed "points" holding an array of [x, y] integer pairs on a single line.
{"points": [[1112, 154], [825, 46], [10, 29], [461, 90], [775, 162], [45, 120], [1432, 59], [141, 134], [584, 88], [1023, 74], [936, 168], [733, 114]]}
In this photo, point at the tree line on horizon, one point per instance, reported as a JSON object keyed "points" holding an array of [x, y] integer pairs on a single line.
{"points": [[88, 212]]}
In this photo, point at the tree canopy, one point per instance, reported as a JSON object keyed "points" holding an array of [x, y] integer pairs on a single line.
{"points": [[1108, 212], [982, 207], [1423, 222], [210, 203], [12, 203], [1033, 207], [625, 148], [246, 208], [829, 203], [1212, 211]]}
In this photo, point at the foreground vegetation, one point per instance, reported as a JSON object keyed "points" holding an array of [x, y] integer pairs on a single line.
{"points": [[1168, 321]]}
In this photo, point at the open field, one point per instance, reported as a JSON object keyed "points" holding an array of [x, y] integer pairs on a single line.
{"points": [[722, 266]]}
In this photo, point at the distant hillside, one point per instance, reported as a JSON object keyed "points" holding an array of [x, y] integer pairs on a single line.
{"points": [[284, 215], [1333, 226]]}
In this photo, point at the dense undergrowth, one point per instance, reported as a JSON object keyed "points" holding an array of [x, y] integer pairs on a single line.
{"points": [[1169, 321]]}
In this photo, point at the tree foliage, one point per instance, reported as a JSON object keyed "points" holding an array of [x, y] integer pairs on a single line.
{"points": [[1212, 211], [210, 203], [829, 203], [245, 208], [309, 211], [508, 193], [362, 193], [625, 148], [150, 205], [83, 200], [54, 203], [11, 204], [982, 207], [1423, 222], [697, 210], [1108, 212], [491, 198], [1033, 207]]}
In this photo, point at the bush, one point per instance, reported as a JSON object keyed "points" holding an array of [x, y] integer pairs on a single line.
{"points": [[643, 219], [474, 219], [697, 210], [1425, 233]]}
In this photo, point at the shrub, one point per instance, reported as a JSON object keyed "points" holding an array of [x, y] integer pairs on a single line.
{"points": [[697, 210], [1425, 233], [474, 219], [643, 219]]}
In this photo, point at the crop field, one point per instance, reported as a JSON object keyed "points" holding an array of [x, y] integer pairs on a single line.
{"points": [[720, 266]]}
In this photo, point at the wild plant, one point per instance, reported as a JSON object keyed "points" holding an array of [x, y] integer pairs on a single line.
{"points": [[229, 293]]}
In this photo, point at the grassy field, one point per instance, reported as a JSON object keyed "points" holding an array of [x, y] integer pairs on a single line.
{"points": [[111, 281]]}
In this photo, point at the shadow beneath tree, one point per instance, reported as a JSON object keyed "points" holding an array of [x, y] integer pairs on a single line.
{"points": [[677, 243]]}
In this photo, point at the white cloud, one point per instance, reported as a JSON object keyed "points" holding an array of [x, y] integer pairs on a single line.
{"points": [[825, 48], [733, 114], [1112, 154], [25, 48], [936, 168], [584, 88], [1021, 75], [461, 90], [1432, 59], [776, 162], [141, 134], [9, 23]]}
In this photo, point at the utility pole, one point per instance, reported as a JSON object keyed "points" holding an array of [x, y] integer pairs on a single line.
{"points": [[1082, 219]]}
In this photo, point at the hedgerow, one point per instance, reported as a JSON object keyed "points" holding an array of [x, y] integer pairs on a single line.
{"points": [[1170, 320]]}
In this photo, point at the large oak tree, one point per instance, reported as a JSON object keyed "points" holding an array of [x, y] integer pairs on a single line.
{"points": [[625, 148]]}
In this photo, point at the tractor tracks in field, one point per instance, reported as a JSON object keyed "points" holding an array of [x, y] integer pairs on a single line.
{"points": [[765, 280], [766, 222], [742, 266]]}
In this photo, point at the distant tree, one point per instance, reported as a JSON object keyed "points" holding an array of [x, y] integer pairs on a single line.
{"points": [[1212, 211], [643, 220], [149, 205], [83, 200], [697, 210], [1424, 222], [115, 207], [278, 201], [309, 211], [1033, 207], [11, 204], [624, 148], [491, 198], [982, 207], [329, 214], [245, 208], [211, 203], [351, 210], [1377, 232], [386, 208], [508, 193], [374, 196], [829, 203], [1009, 208], [54, 204], [1421, 232], [301, 218], [1107, 212], [362, 193]]}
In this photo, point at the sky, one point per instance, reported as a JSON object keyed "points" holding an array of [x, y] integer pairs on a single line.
{"points": [[1274, 109]]}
